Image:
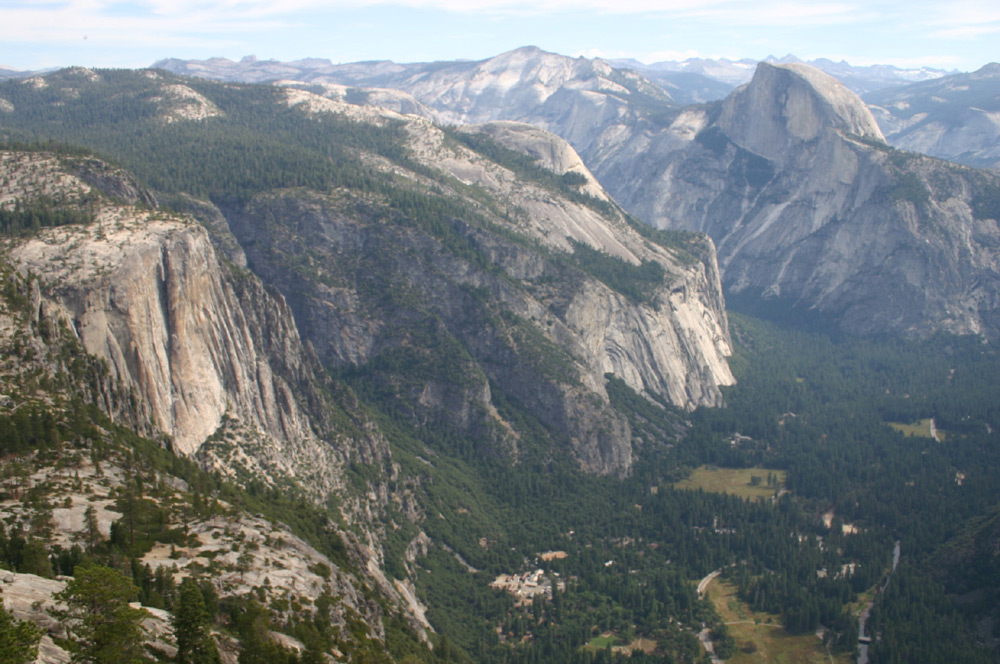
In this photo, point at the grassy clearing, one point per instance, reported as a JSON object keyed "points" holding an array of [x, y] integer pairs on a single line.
{"points": [[614, 642], [735, 481], [602, 642], [648, 646], [760, 638], [921, 429]]}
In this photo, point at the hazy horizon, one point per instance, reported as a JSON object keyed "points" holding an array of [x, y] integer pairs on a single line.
{"points": [[134, 34]]}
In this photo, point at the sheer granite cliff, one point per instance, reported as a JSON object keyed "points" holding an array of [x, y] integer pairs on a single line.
{"points": [[202, 348], [792, 179]]}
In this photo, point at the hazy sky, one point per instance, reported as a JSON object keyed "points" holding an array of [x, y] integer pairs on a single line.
{"points": [[37, 34]]}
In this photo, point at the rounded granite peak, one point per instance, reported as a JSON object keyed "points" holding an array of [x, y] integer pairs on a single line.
{"points": [[785, 105], [991, 70]]}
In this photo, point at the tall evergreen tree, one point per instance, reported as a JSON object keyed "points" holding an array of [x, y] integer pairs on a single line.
{"points": [[105, 629], [35, 559], [256, 645], [191, 622], [18, 639]]}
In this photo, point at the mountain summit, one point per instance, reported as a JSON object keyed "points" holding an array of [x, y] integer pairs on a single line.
{"points": [[807, 204], [785, 106]]}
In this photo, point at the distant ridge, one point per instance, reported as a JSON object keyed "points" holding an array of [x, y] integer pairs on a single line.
{"points": [[954, 117], [861, 79], [695, 80]]}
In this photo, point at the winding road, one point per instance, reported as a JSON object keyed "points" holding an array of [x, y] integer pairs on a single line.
{"points": [[705, 635], [707, 580], [865, 639]]}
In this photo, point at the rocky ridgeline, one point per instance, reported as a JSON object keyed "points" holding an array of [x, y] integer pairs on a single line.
{"points": [[954, 117], [790, 174], [568, 328], [243, 555]]}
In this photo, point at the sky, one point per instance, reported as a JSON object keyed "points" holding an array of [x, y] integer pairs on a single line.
{"points": [[958, 35]]}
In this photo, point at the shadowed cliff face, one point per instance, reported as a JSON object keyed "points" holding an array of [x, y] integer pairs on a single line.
{"points": [[447, 322]]}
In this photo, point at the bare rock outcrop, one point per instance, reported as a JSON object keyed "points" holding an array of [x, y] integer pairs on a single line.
{"points": [[201, 347], [808, 205], [788, 106]]}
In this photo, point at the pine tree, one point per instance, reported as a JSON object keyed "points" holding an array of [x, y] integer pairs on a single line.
{"points": [[191, 621], [92, 532], [105, 629], [35, 559], [254, 627], [18, 639]]}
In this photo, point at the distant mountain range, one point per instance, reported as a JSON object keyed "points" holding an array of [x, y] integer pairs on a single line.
{"points": [[949, 115], [738, 72], [954, 117], [694, 80], [691, 81], [788, 189]]}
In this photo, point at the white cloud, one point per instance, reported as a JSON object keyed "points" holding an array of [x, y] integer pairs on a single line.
{"points": [[180, 24], [967, 31], [961, 20], [98, 21], [232, 12]]}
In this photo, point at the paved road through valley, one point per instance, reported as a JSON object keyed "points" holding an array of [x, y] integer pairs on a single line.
{"points": [[863, 638]]}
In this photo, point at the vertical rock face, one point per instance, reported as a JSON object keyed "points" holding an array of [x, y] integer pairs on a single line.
{"points": [[200, 347], [788, 106], [806, 203], [149, 297]]}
